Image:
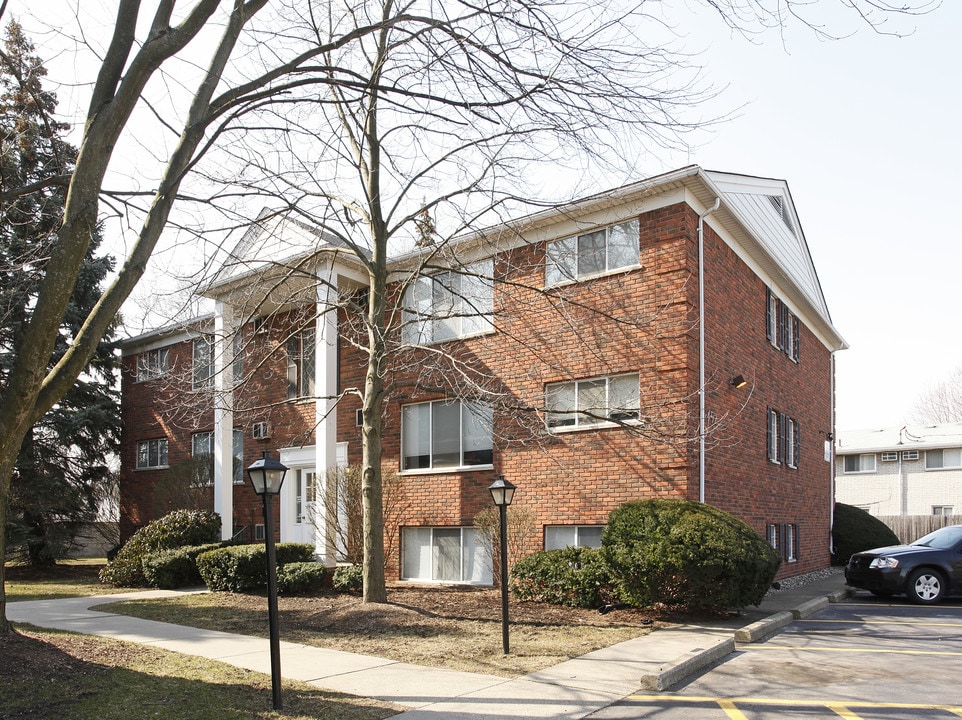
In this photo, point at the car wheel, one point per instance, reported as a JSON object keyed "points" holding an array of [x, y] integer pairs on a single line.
{"points": [[925, 587]]}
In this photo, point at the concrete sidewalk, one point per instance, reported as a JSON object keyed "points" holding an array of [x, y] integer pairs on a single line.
{"points": [[573, 689]]}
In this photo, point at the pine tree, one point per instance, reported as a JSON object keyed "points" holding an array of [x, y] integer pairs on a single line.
{"points": [[62, 473]]}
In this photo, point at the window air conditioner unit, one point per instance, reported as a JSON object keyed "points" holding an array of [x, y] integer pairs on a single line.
{"points": [[259, 430]]}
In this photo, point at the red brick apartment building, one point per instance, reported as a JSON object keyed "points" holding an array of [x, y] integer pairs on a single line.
{"points": [[668, 338]]}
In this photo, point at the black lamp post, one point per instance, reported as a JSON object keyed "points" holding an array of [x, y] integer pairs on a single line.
{"points": [[267, 476], [502, 492]]}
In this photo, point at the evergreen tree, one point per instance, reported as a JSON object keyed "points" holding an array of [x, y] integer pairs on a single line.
{"points": [[62, 474]]}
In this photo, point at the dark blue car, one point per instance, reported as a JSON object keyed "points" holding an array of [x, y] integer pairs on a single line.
{"points": [[926, 571]]}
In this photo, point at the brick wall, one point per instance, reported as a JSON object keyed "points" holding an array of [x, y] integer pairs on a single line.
{"points": [[643, 321], [740, 478]]}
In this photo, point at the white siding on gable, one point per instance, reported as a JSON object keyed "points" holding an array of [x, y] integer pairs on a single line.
{"points": [[789, 249]]}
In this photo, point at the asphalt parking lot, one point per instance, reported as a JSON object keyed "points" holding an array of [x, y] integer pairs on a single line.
{"points": [[862, 658]]}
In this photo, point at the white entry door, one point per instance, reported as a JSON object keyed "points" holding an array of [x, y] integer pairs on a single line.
{"points": [[305, 496]]}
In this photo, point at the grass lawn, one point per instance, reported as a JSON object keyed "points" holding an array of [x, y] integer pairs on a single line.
{"points": [[53, 674], [69, 578]]}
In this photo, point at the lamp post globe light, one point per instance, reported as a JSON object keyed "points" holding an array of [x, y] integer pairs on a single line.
{"points": [[502, 492], [267, 476]]}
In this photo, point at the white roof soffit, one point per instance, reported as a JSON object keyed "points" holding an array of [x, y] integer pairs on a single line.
{"points": [[168, 335]]}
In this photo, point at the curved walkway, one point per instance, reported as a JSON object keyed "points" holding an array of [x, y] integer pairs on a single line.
{"points": [[573, 689]]}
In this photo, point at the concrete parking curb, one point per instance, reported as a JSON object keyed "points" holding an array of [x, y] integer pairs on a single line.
{"points": [[688, 664], [763, 628], [675, 672]]}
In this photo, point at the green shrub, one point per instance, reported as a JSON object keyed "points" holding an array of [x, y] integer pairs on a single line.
{"points": [[169, 569], [854, 530], [577, 577], [300, 577], [686, 555], [290, 552], [179, 528], [244, 567], [348, 579]]}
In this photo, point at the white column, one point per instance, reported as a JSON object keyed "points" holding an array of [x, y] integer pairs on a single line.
{"points": [[326, 406], [224, 418]]}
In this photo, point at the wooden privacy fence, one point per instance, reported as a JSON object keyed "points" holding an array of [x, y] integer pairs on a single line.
{"points": [[910, 528]]}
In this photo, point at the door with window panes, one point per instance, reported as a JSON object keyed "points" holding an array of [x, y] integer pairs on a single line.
{"points": [[305, 495]]}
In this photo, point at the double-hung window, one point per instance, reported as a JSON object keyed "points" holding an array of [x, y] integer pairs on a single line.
{"points": [[783, 438], [450, 304], [300, 364], [445, 434], [203, 363], [591, 254], [781, 326], [152, 364], [152, 453], [588, 403]]}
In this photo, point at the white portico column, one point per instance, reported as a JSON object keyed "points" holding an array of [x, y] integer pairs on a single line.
{"points": [[326, 408], [224, 331]]}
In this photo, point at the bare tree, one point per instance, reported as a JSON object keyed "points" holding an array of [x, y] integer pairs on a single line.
{"points": [[435, 107], [942, 403], [220, 94], [429, 132]]}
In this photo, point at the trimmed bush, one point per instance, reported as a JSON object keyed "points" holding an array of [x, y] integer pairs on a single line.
{"points": [[178, 529], [855, 530], [244, 567], [686, 555], [300, 577], [170, 569], [577, 577], [348, 579]]}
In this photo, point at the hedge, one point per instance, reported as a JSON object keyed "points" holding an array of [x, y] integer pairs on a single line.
{"points": [[177, 529], [300, 577], [170, 569], [244, 567], [577, 577]]}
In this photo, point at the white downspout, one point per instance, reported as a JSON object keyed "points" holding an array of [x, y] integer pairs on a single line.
{"points": [[701, 348]]}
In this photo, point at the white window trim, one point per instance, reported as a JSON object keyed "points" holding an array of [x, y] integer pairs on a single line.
{"points": [[943, 466], [414, 321], [446, 469], [860, 471], [608, 271], [579, 417], [486, 582], [150, 371], [138, 466], [577, 531], [206, 382]]}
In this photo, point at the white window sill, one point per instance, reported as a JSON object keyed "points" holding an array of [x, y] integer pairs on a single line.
{"points": [[563, 429], [456, 338], [443, 470], [592, 276]]}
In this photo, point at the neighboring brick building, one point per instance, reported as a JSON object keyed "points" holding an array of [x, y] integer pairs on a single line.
{"points": [[579, 362], [909, 470]]}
